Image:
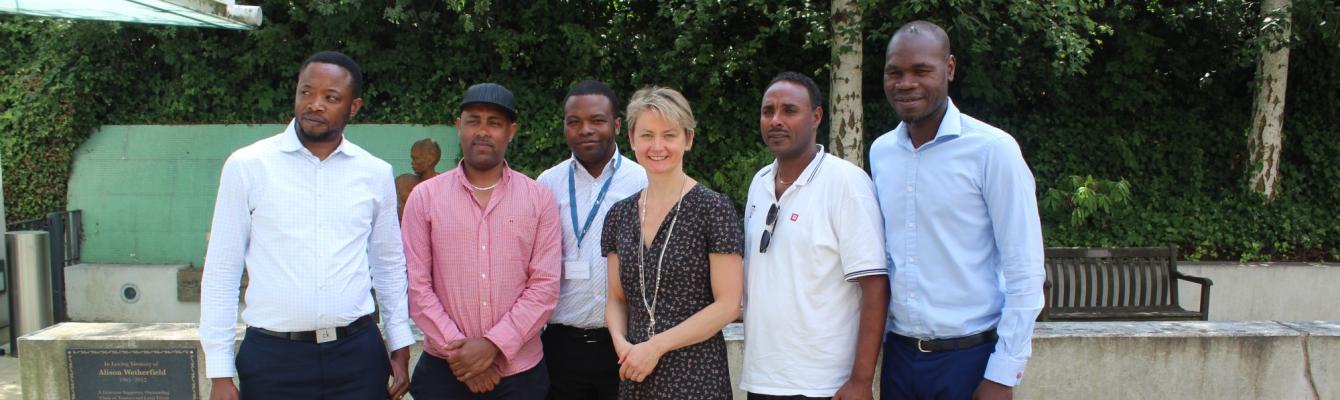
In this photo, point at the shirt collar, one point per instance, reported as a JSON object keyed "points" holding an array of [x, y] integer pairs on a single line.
{"points": [[608, 169], [951, 126], [810, 170], [469, 187], [288, 143]]}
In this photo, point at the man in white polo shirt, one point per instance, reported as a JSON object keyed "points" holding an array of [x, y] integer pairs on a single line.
{"points": [[816, 282]]}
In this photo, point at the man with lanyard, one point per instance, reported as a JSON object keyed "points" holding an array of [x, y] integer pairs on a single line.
{"points": [[484, 250], [577, 347], [312, 218], [815, 284], [962, 232]]}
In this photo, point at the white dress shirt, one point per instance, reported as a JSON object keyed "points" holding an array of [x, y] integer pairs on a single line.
{"points": [[581, 299], [314, 236], [803, 305], [964, 238]]}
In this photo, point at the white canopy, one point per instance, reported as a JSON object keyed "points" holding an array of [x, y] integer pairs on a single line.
{"points": [[199, 13]]}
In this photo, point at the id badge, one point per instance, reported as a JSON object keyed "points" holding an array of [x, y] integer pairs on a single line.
{"points": [[577, 269]]}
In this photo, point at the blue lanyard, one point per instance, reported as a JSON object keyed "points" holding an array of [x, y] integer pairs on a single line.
{"points": [[600, 198]]}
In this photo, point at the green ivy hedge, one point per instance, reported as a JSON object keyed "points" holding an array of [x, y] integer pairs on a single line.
{"points": [[1156, 94]]}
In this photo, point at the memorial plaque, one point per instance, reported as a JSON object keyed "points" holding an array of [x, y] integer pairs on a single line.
{"points": [[132, 374]]}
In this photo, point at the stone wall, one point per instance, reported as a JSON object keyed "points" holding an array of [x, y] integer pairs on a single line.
{"points": [[1264, 291], [1071, 360], [1252, 292]]}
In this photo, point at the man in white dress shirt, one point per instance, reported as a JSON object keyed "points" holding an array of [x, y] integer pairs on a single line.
{"points": [[312, 218], [577, 346]]}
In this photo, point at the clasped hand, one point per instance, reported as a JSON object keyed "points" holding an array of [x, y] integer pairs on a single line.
{"points": [[471, 360], [637, 361]]}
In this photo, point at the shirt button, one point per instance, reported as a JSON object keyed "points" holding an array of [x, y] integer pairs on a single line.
{"points": [[911, 260], [914, 295], [485, 303], [909, 188], [910, 225], [485, 276], [483, 248], [916, 155]]}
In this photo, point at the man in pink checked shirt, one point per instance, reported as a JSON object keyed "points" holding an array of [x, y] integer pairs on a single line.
{"points": [[484, 253]]}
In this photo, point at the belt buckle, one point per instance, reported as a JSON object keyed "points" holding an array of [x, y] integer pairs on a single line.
{"points": [[324, 335], [919, 348]]}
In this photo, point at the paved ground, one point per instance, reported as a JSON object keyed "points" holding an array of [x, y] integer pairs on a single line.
{"points": [[9, 371], [9, 378]]}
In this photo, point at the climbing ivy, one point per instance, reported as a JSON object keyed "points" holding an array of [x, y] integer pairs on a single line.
{"points": [[1153, 93]]}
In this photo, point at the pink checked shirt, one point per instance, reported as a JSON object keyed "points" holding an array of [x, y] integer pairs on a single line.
{"points": [[490, 272]]}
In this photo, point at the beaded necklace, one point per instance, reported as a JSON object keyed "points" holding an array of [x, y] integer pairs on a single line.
{"points": [[641, 261]]}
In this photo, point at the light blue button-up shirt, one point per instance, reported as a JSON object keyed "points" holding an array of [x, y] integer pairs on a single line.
{"points": [[963, 237]]}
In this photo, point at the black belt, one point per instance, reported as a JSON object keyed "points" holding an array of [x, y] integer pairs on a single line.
{"points": [[321, 335], [588, 335], [958, 343]]}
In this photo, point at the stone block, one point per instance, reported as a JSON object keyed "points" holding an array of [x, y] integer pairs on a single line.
{"points": [[1172, 360], [44, 367], [1322, 354]]}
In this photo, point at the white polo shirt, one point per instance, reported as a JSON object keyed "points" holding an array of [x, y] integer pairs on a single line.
{"points": [[802, 304]]}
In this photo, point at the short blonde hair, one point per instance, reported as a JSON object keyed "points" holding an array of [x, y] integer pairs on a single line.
{"points": [[667, 102]]}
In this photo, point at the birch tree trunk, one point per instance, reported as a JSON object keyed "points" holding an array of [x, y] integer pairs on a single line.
{"points": [[1272, 73], [846, 119]]}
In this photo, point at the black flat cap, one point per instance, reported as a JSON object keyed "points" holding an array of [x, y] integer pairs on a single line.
{"points": [[493, 94]]}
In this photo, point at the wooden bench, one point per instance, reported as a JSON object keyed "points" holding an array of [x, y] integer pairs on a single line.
{"points": [[1134, 283]]}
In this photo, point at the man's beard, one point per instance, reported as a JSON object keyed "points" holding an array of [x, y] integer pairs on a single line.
{"points": [[329, 134]]}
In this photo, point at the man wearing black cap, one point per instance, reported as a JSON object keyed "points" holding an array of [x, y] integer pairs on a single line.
{"points": [[483, 247]]}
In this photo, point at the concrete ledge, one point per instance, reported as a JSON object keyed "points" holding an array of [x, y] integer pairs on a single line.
{"points": [[1071, 360], [1178, 360], [1241, 292], [1322, 352]]}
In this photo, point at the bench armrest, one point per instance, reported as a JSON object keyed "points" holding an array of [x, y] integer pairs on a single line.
{"points": [[1194, 279], [1205, 284]]}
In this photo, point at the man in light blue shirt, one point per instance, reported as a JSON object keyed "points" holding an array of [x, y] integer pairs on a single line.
{"points": [[961, 231]]}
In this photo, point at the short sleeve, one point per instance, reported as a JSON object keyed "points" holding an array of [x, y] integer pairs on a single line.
{"points": [[856, 211], [609, 235], [725, 235]]}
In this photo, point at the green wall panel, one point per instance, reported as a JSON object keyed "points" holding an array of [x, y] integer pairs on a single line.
{"points": [[147, 191]]}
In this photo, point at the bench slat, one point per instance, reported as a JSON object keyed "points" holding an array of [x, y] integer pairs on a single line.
{"points": [[1114, 284]]}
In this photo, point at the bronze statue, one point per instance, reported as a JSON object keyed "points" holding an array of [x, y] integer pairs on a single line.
{"points": [[423, 155]]}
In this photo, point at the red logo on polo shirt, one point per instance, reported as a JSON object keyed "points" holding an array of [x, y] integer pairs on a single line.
{"points": [[794, 217]]}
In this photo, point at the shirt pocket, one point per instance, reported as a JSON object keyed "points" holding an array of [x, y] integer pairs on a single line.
{"points": [[519, 231]]}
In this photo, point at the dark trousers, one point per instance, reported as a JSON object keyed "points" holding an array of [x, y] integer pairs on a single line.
{"points": [[582, 363], [433, 380], [756, 396], [947, 375], [354, 367]]}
